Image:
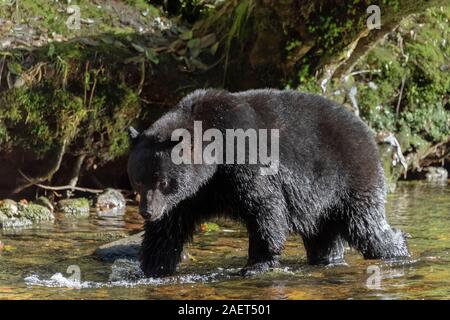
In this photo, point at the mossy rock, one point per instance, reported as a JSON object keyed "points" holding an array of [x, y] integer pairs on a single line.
{"points": [[35, 212], [8, 209], [14, 223], [74, 207], [17, 215]]}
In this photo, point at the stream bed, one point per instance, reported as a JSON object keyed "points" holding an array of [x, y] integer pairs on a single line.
{"points": [[54, 261]]}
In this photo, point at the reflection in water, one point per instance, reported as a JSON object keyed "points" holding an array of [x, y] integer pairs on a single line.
{"points": [[35, 261]]}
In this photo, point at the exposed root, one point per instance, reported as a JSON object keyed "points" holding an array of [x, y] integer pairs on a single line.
{"points": [[59, 188], [76, 170], [48, 175]]}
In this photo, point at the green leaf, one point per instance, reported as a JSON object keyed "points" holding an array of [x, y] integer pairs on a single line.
{"points": [[138, 47], [198, 64], [176, 45], [194, 43], [186, 35], [208, 40], [195, 52], [51, 50], [152, 56], [14, 68], [214, 48]]}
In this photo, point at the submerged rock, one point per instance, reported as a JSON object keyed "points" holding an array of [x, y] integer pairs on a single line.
{"points": [[18, 215], [126, 248], [110, 199], [74, 207], [13, 222], [436, 174]]}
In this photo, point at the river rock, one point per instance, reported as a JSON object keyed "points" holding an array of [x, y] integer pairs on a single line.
{"points": [[9, 208], [110, 199], [35, 212], [74, 207], [126, 248], [436, 174], [13, 222], [18, 215]]}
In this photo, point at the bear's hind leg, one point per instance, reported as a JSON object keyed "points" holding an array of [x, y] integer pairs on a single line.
{"points": [[370, 233]]}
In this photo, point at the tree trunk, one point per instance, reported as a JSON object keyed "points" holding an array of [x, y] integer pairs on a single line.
{"points": [[279, 41]]}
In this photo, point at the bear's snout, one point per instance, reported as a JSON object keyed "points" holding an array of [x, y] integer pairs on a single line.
{"points": [[146, 214], [150, 215], [152, 205]]}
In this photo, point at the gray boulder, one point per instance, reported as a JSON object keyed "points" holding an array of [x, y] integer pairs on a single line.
{"points": [[111, 200], [126, 248], [436, 174]]}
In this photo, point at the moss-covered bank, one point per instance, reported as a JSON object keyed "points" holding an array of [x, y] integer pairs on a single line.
{"points": [[402, 86], [66, 105]]}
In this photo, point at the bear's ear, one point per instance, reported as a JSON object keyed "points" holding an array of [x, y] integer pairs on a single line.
{"points": [[133, 133]]}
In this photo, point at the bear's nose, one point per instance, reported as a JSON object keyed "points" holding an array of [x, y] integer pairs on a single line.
{"points": [[146, 214]]}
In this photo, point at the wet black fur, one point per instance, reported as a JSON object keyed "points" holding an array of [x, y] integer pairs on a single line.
{"points": [[330, 187]]}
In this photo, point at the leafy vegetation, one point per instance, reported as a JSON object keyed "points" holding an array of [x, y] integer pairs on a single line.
{"points": [[78, 95], [97, 16], [403, 84], [84, 87]]}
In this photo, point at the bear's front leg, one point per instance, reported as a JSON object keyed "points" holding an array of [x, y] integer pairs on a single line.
{"points": [[162, 245], [266, 241]]}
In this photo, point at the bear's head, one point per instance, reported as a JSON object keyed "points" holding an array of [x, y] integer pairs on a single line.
{"points": [[162, 181]]}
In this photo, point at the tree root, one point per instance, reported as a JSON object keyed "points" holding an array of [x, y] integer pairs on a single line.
{"points": [[59, 188], [48, 175]]}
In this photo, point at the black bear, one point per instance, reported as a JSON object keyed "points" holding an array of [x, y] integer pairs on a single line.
{"points": [[328, 185]]}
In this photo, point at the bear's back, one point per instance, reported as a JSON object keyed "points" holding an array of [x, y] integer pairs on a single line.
{"points": [[319, 139]]}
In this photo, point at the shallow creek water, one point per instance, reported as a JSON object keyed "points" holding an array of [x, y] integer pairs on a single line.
{"points": [[35, 262]]}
